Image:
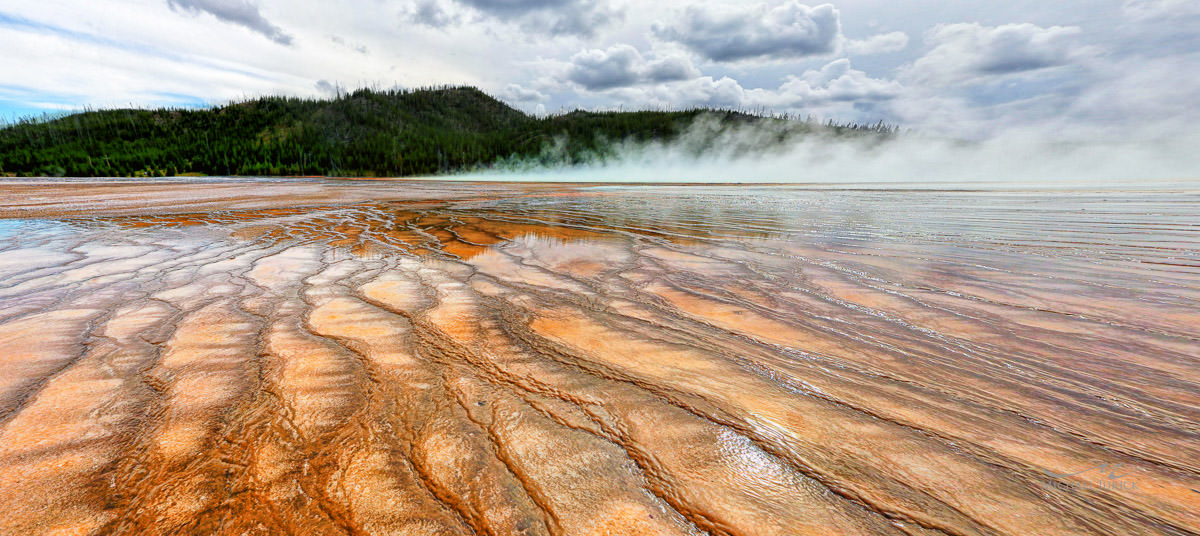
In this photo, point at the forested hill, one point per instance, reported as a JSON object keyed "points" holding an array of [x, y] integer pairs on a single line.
{"points": [[363, 133]]}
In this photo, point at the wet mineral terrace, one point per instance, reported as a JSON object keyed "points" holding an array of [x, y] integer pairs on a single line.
{"points": [[321, 357]]}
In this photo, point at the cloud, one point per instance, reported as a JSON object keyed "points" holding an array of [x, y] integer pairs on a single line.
{"points": [[357, 47], [705, 91], [976, 81], [541, 17], [433, 14], [516, 93], [1134, 98], [66, 69], [790, 30], [605, 69], [239, 12], [518, 7], [1131, 67], [837, 81], [968, 52], [878, 44], [623, 65], [328, 88], [1153, 9], [835, 87], [669, 69]]}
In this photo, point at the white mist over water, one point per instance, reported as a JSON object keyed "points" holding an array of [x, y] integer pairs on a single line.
{"points": [[751, 154]]}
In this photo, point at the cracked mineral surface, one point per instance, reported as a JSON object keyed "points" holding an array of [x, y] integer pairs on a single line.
{"points": [[399, 357]]}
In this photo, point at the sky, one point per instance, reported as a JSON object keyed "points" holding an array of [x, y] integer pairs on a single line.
{"points": [[971, 69]]}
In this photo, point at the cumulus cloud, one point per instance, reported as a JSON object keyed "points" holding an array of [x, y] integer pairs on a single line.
{"points": [[705, 91], [838, 82], [878, 44], [518, 94], [623, 65], [837, 86], [239, 12], [729, 33], [967, 52]]}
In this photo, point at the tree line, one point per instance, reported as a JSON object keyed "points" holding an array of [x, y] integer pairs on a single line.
{"points": [[361, 133]]}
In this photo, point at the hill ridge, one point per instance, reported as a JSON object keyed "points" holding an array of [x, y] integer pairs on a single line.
{"points": [[358, 133]]}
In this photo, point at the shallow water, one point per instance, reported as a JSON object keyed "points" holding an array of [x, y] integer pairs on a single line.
{"points": [[323, 357]]}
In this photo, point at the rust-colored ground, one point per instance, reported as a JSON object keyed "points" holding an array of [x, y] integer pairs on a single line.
{"points": [[311, 357]]}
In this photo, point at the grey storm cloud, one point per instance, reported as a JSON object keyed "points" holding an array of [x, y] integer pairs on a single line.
{"points": [[553, 17], [518, 7], [605, 69], [432, 13], [581, 18], [670, 69], [790, 30], [240, 12], [966, 51], [623, 65], [324, 86]]}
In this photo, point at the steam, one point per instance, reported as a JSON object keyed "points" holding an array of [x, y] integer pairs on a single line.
{"points": [[770, 153]]}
